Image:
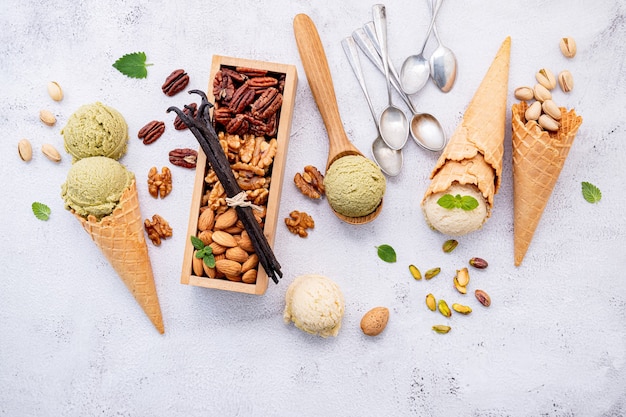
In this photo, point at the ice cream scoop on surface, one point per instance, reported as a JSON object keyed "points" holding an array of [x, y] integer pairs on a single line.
{"points": [[354, 186], [95, 130], [315, 304], [455, 221], [95, 185]]}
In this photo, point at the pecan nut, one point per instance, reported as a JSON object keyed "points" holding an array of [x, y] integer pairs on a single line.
{"points": [[159, 184], [184, 157], [223, 86], [242, 98], [310, 182], [157, 229], [191, 110], [298, 222], [261, 83], [175, 82], [267, 104], [251, 72], [151, 132]]}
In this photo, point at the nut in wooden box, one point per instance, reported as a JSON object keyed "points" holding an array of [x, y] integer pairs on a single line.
{"points": [[254, 102]]}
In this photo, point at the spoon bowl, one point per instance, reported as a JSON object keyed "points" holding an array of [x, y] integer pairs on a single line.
{"points": [[443, 65], [320, 81]]}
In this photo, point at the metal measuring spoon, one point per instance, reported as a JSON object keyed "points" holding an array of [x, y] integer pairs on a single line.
{"points": [[442, 65], [425, 128], [389, 160], [394, 126], [416, 69]]}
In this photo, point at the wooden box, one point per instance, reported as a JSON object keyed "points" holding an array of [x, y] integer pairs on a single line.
{"points": [[288, 76]]}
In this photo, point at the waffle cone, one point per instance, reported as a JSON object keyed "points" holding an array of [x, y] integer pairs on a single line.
{"points": [[482, 128], [538, 157], [120, 237]]}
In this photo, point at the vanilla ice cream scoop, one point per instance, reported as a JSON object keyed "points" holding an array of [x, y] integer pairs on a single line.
{"points": [[315, 305], [455, 221]]}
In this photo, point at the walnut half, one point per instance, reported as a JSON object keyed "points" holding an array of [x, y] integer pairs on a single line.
{"points": [[310, 182], [159, 183], [298, 222], [157, 229]]}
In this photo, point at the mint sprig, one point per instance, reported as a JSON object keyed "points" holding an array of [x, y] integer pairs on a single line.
{"points": [[466, 202], [41, 211], [386, 253], [133, 65], [204, 252], [591, 193]]}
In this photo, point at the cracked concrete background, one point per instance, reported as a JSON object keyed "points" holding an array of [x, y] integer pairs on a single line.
{"points": [[74, 343]]}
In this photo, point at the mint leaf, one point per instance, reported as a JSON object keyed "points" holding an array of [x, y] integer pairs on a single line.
{"points": [[209, 260], [197, 243], [41, 211], [591, 193], [468, 203], [386, 253], [447, 201], [133, 65]]}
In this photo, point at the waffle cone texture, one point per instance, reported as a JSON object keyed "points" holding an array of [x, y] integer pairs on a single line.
{"points": [[120, 237], [538, 158]]}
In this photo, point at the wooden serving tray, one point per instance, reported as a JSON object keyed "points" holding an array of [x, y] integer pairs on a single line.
{"points": [[275, 190]]}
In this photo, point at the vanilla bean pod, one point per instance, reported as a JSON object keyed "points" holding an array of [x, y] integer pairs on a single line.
{"points": [[202, 128]]}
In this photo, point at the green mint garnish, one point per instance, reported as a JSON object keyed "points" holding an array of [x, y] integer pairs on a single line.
{"points": [[133, 65], [41, 211], [591, 193], [466, 202]]}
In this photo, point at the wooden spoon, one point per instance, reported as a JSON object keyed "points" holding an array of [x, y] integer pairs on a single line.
{"points": [[320, 81]]}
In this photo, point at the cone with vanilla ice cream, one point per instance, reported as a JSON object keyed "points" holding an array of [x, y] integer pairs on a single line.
{"points": [[102, 195], [470, 166], [538, 158]]}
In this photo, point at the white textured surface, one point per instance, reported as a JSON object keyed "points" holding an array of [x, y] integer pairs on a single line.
{"points": [[74, 343]]}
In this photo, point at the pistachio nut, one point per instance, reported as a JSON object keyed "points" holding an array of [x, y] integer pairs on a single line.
{"points": [[479, 263], [460, 288], [47, 117], [460, 308], [546, 78], [533, 111], [550, 108], [25, 150], [443, 308], [541, 93], [431, 302], [462, 277], [548, 123], [449, 245], [483, 297], [524, 93], [441, 328], [568, 47], [431, 273], [55, 91], [415, 272], [50, 152], [566, 81]]}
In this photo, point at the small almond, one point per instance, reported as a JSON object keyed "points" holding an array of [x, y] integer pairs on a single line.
{"points": [[245, 242], [206, 220], [55, 91], [209, 272], [25, 150], [228, 267], [249, 277], [206, 237], [250, 263], [236, 254], [224, 239], [47, 117], [217, 249], [226, 219], [375, 321], [50, 152], [197, 265]]}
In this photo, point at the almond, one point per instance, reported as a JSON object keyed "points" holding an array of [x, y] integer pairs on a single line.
{"points": [[249, 277], [197, 264], [217, 248], [224, 239], [210, 272], [245, 243], [206, 220], [228, 267], [206, 237], [226, 219], [375, 321], [236, 254], [250, 263]]}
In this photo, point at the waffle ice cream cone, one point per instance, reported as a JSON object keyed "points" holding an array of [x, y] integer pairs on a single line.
{"points": [[473, 156], [120, 237], [538, 158]]}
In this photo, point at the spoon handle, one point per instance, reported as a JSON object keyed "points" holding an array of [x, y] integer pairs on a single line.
{"points": [[432, 22], [350, 48], [321, 83], [379, 14], [370, 31]]}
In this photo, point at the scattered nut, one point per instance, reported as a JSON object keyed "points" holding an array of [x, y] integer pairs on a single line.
{"points": [[533, 111], [55, 91], [566, 81], [190, 110], [450, 245], [157, 229], [415, 272], [541, 93], [441, 329], [524, 93], [548, 123], [479, 263], [550, 108], [443, 308], [431, 273], [568, 47], [310, 182], [50, 152], [462, 277], [375, 321], [459, 308], [298, 222], [47, 117], [546, 78], [184, 157], [175, 82], [460, 288], [483, 297], [151, 131], [159, 184], [431, 302], [25, 150]]}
